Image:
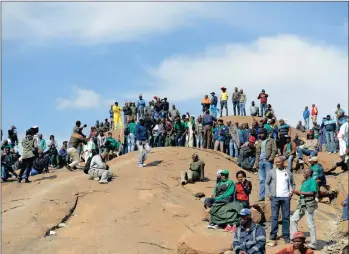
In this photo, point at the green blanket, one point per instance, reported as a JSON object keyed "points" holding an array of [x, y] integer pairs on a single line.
{"points": [[225, 213]]}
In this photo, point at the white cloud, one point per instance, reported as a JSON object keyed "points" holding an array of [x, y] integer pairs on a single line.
{"points": [[80, 99], [294, 71], [92, 23]]}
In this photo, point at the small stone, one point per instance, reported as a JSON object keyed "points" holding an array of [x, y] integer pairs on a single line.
{"points": [[61, 225], [52, 232]]}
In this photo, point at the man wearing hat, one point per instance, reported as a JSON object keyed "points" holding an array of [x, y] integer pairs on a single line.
{"points": [[213, 107], [249, 236], [223, 100], [298, 240]]}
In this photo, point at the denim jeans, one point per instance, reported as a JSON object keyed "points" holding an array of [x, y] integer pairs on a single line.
{"points": [[233, 149], [307, 152], [263, 169], [130, 142], [276, 204], [330, 144], [199, 141], [213, 110], [296, 217], [236, 107], [306, 124], [242, 108], [263, 108], [289, 162], [345, 212], [143, 151]]}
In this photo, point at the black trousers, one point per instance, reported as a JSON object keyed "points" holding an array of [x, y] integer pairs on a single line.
{"points": [[26, 166], [282, 143]]}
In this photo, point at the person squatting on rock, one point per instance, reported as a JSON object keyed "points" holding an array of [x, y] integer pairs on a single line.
{"points": [[99, 169], [196, 171]]}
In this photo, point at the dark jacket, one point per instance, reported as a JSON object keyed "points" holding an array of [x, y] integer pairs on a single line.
{"points": [[41, 164], [270, 150], [207, 120], [141, 133], [127, 111], [75, 140], [165, 106], [214, 100]]}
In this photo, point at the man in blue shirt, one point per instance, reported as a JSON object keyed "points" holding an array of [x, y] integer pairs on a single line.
{"points": [[140, 107], [306, 115], [330, 127], [142, 141]]}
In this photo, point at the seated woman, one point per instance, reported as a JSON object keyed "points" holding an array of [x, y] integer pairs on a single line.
{"points": [[243, 189], [196, 171], [223, 212]]}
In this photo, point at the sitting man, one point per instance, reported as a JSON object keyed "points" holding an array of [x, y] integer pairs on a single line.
{"points": [[52, 155], [309, 148], [298, 246], [249, 236], [63, 157], [300, 127], [40, 164], [195, 172], [289, 152], [247, 155], [8, 164], [111, 146], [318, 172], [99, 169]]}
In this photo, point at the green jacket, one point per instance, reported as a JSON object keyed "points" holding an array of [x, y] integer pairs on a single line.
{"points": [[224, 189], [28, 146]]}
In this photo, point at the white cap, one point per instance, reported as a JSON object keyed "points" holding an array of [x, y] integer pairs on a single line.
{"points": [[219, 171]]}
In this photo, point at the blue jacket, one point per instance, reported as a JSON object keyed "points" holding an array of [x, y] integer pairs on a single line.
{"points": [[140, 104], [141, 133], [252, 241], [330, 125], [306, 114]]}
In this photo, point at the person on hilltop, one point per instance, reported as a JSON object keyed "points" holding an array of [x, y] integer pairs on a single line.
{"points": [[249, 236], [279, 186], [263, 97], [75, 140], [306, 115], [224, 100], [330, 127], [196, 171], [306, 206], [111, 116], [165, 108], [234, 140], [220, 136], [213, 107], [297, 247], [314, 113], [28, 156], [266, 151], [236, 101], [254, 110], [12, 135], [207, 123], [284, 131], [242, 103], [174, 113], [289, 152], [117, 115], [140, 107], [247, 154], [127, 112], [142, 142], [205, 103], [300, 127], [199, 132]]}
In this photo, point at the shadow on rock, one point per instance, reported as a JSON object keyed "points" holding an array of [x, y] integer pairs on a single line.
{"points": [[46, 178], [154, 163]]}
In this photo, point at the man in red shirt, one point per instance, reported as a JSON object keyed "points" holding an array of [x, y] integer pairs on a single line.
{"points": [[314, 113], [263, 97], [297, 247]]}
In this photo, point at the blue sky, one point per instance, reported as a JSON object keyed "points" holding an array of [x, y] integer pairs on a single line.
{"points": [[68, 61]]}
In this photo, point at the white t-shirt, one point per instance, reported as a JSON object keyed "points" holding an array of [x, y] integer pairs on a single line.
{"points": [[343, 132], [282, 188]]}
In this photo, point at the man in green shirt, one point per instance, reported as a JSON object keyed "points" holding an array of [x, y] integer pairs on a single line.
{"points": [[180, 130], [196, 171], [306, 206]]}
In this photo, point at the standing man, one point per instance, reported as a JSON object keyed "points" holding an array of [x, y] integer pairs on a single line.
{"points": [[330, 127], [234, 142], [140, 107], [27, 156], [127, 113], [306, 206], [279, 187], [243, 99], [165, 108], [207, 123], [314, 113], [284, 131], [263, 97], [117, 115], [266, 151], [75, 140], [306, 115], [221, 133], [236, 101], [343, 138], [224, 100], [142, 142], [213, 107], [173, 113]]}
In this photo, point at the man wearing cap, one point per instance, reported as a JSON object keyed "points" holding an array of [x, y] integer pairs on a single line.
{"points": [[98, 168], [236, 101], [298, 247], [279, 187], [263, 97], [117, 115], [318, 172], [196, 171], [289, 152], [306, 206], [224, 100], [284, 130], [247, 154], [266, 151], [249, 236], [330, 127], [140, 107], [213, 107]]}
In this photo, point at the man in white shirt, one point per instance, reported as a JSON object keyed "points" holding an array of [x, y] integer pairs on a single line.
{"points": [[99, 169], [279, 186], [343, 138]]}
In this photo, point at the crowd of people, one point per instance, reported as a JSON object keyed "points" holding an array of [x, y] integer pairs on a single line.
{"points": [[263, 148]]}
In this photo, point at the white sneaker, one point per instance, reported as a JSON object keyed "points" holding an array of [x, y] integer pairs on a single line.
{"points": [[103, 182], [212, 226], [144, 165], [140, 165], [329, 152]]}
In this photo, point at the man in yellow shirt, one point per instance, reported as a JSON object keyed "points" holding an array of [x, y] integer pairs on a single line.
{"points": [[224, 98], [117, 116]]}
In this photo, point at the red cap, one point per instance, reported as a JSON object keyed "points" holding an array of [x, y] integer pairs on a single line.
{"points": [[223, 88], [252, 139], [298, 235]]}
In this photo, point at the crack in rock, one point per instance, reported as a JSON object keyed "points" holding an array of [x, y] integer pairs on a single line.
{"points": [[157, 245], [11, 208]]}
